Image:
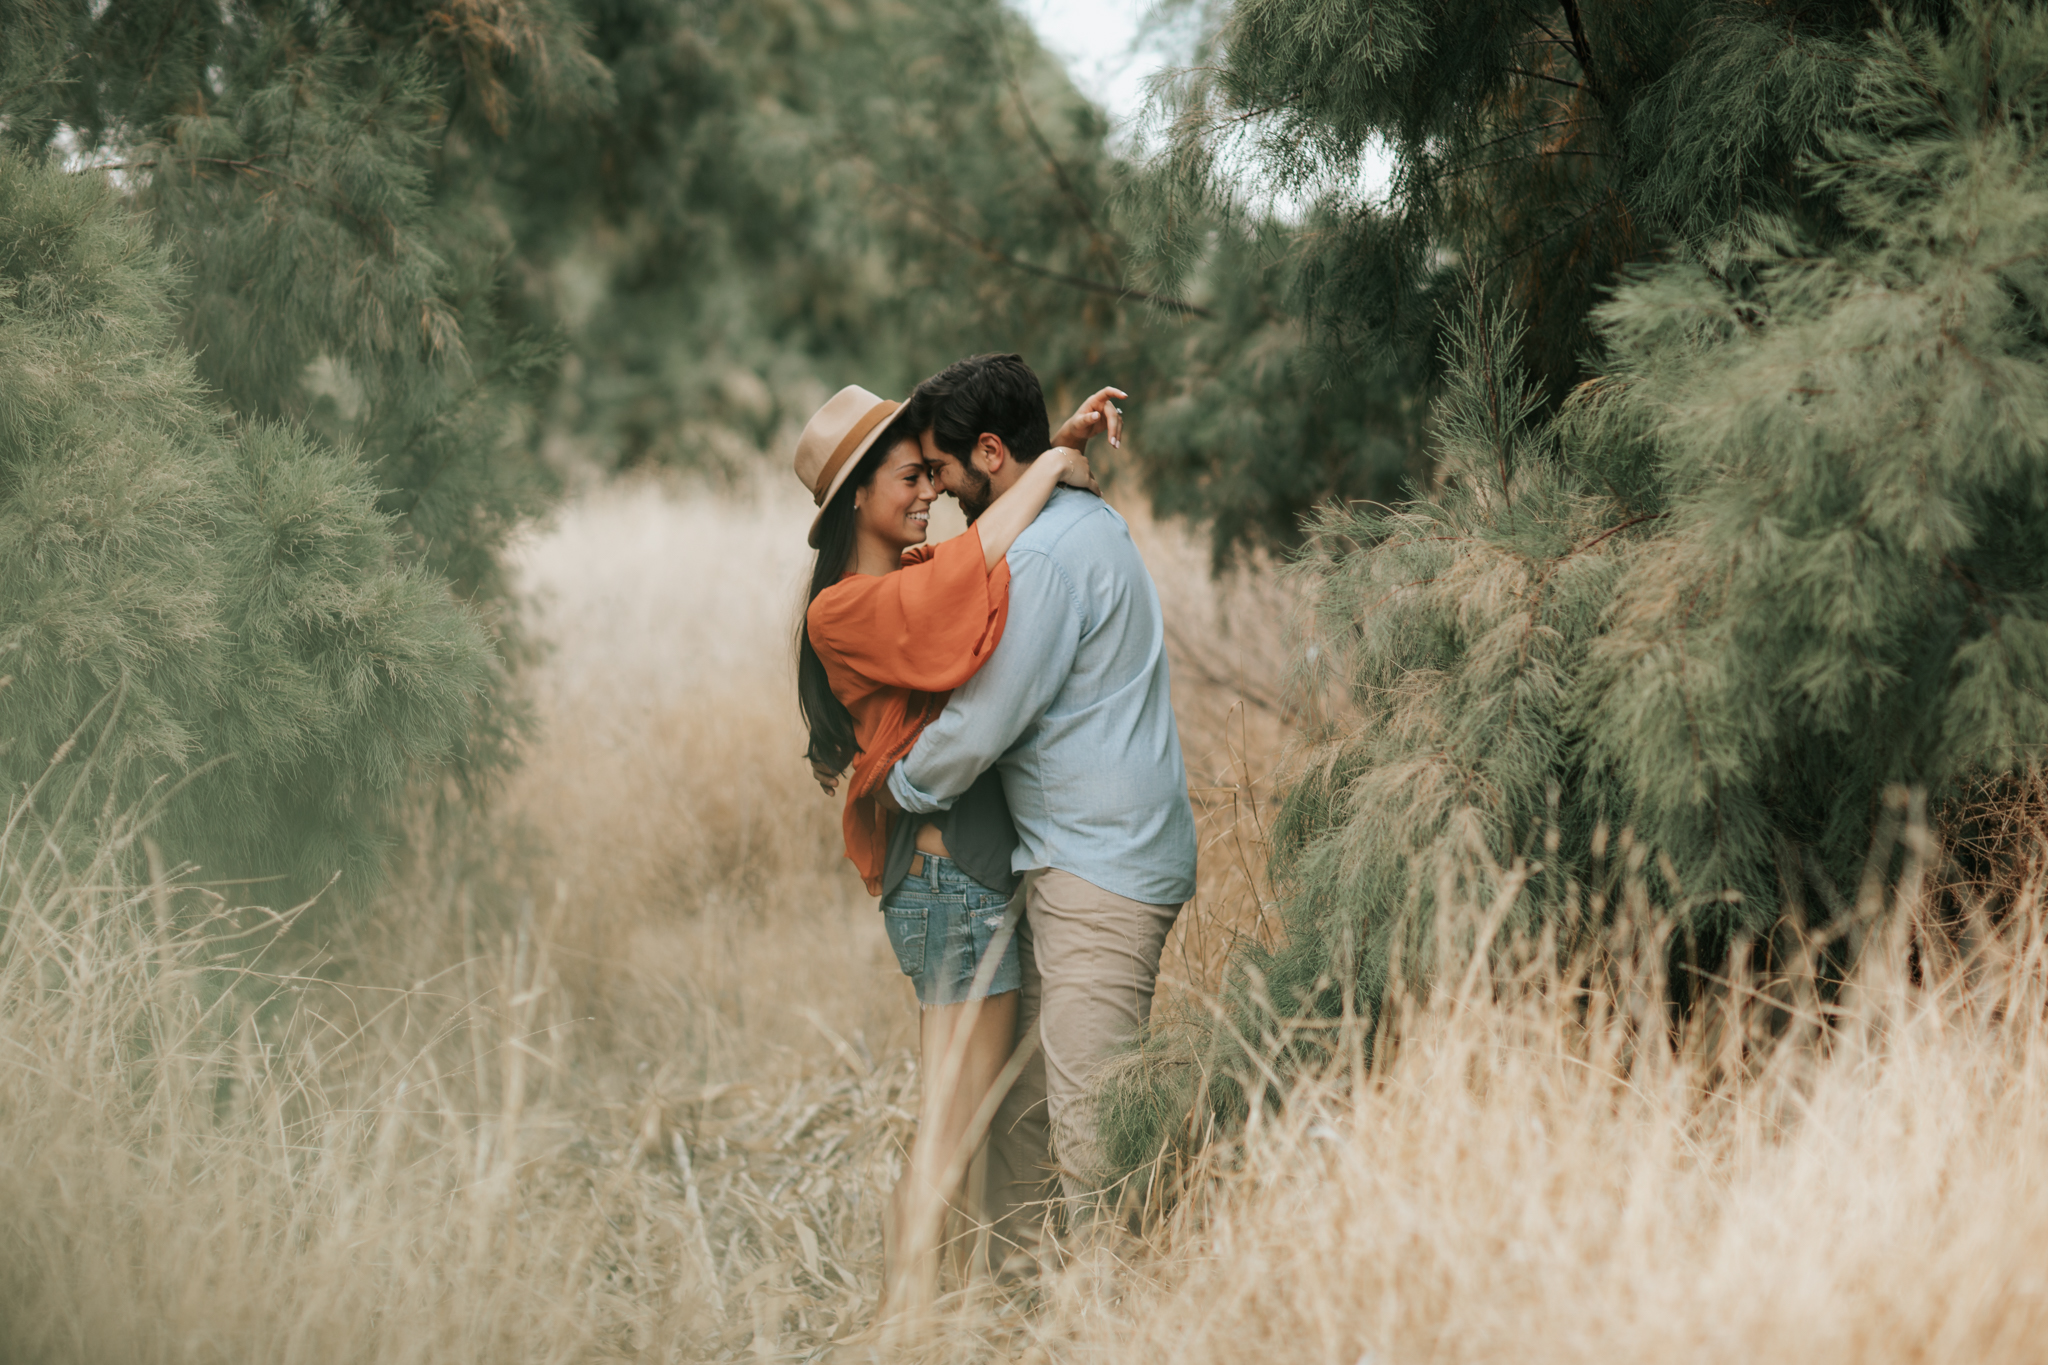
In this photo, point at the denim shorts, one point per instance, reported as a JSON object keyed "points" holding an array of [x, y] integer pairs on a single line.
{"points": [[942, 924]]}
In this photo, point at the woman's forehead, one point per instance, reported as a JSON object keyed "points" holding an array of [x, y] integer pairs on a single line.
{"points": [[904, 452]]}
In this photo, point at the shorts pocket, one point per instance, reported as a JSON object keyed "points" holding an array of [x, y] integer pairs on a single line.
{"points": [[906, 926], [987, 907]]}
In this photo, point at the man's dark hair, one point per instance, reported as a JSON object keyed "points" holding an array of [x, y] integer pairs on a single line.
{"points": [[997, 394]]}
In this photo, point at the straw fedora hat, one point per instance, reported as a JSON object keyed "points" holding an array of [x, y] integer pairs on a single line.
{"points": [[835, 438]]}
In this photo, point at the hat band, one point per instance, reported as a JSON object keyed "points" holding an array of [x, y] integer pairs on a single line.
{"points": [[847, 443]]}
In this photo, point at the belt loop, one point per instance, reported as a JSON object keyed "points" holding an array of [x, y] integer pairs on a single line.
{"points": [[917, 864]]}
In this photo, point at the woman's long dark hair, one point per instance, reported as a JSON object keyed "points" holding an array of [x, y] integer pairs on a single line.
{"points": [[830, 723]]}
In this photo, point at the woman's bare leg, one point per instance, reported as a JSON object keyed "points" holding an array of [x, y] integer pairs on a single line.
{"points": [[963, 1049]]}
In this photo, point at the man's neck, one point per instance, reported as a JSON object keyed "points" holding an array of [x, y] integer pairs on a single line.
{"points": [[1005, 479]]}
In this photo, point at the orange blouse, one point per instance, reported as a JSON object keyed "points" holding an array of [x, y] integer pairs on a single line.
{"points": [[894, 645]]}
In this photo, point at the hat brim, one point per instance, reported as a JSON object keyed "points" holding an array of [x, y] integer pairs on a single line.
{"points": [[846, 468]]}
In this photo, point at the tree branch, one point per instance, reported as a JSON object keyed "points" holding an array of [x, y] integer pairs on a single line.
{"points": [[1613, 530], [990, 252], [1539, 76], [1583, 50], [1526, 156], [1074, 198], [241, 164], [1550, 36], [1527, 132], [1504, 262]]}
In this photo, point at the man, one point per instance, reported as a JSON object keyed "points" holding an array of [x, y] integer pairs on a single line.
{"points": [[1073, 709]]}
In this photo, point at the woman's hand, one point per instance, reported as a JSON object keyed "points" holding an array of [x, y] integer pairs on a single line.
{"points": [[1091, 419], [827, 778], [1074, 469]]}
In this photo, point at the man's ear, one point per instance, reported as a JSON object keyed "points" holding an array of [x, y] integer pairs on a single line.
{"points": [[990, 454]]}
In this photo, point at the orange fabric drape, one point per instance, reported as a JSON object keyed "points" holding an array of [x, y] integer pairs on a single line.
{"points": [[894, 645]]}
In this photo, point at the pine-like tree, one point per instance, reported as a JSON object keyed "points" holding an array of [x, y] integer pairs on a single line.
{"points": [[321, 179], [1783, 554], [1537, 154], [1260, 416], [323, 175], [195, 604]]}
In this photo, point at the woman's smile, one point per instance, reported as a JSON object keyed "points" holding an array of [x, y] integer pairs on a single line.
{"points": [[917, 520], [894, 509]]}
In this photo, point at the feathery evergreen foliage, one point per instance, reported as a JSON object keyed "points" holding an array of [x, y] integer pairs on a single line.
{"points": [[1262, 418], [322, 175], [1536, 154], [320, 180], [1787, 552], [192, 602]]}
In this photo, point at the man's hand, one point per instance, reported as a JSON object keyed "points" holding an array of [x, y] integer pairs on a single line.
{"points": [[1099, 414]]}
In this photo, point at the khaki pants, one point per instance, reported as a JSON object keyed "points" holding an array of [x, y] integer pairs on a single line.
{"points": [[1091, 960]]}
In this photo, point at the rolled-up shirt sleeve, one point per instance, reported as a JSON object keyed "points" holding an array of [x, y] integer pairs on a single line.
{"points": [[988, 713]]}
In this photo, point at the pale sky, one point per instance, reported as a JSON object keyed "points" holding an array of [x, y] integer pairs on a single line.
{"points": [[1098, 40], [1100, 43]]}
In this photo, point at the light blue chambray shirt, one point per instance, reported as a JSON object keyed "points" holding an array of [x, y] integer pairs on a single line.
{"points": [[1074, 709]]}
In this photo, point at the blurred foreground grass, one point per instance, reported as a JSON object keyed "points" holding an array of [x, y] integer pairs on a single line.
{"points": [[622, 1073]]}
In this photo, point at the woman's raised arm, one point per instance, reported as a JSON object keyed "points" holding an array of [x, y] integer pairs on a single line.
{"points": [[1021, 503]]}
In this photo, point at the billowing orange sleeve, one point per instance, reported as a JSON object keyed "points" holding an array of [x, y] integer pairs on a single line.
{"points": [[927, 627]]}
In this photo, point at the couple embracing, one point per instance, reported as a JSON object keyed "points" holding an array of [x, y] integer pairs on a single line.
{"points": [[1016, 795]]}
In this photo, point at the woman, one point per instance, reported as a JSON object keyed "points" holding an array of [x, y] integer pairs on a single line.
{"points": [[891, 627]]}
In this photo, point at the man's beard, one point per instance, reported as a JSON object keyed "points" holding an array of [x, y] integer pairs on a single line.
{"points": [[975, 497]]}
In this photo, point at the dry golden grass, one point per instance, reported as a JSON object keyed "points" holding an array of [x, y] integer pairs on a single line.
{"points": [[1536, 1169], [667, 791], [626, 1074]]}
